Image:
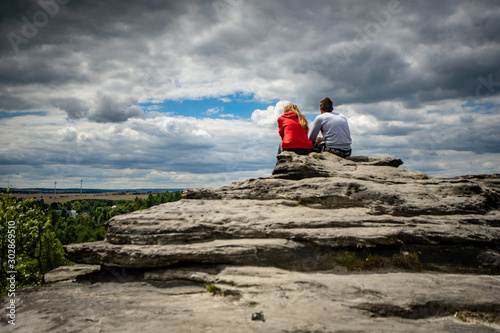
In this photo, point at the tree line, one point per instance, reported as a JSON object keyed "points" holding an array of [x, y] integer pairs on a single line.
{"points": [[92, 215], [33, 233]]}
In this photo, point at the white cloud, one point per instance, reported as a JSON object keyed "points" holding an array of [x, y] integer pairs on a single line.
{"points": [[213, 111], [162, 151], [269, 117], [68, 134]]}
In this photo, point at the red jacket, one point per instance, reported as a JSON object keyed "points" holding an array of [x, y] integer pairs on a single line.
{"points": [[292, 134]]}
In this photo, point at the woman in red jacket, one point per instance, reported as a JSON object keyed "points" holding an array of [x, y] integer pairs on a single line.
{"points": [[293, 131]]}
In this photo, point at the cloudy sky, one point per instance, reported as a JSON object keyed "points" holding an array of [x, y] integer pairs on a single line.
{"points": [[179, 94]]}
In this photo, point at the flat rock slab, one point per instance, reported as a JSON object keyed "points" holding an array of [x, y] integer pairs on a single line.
{"points": [[189, 221], [266, 252], [177, 301], [293, 166], [70, 273], [272, 233]]}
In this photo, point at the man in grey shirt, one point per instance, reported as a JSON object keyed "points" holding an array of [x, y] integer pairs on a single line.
{"points": [[335, 129]]}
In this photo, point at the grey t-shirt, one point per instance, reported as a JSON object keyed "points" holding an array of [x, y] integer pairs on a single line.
{"points": [[334, 128]]}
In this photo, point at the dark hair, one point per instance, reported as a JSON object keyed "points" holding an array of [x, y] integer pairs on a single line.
{"points": [[326, 104]]}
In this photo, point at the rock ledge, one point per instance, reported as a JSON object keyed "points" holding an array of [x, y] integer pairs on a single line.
{"points": [[323, 244]]}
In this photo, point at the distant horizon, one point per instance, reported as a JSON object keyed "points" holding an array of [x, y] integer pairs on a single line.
{"points": [[160, 189], [77, 190]]}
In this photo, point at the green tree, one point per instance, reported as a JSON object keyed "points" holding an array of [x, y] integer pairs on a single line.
{"points": [[150, 200], [77, 206], [55, 206], [26, 231], [40, 230], [85, 206]]}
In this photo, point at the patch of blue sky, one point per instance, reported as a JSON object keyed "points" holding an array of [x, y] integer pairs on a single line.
{"points": [[7, 114], [237, 106], [471, 107], [485, 107], [438, 111]]}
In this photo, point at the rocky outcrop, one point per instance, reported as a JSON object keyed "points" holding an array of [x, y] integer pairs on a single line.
{"points": [[310, 208], [323, 244]]}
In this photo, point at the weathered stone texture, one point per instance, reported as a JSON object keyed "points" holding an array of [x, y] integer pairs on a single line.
{"points": [[313, 205], [324, 244]]}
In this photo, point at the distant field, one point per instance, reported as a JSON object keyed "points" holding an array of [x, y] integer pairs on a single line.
{"points": [[49, 198]]}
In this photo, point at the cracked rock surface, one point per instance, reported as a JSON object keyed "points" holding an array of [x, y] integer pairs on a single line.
{"points": [[176, 300], [324, 244]]}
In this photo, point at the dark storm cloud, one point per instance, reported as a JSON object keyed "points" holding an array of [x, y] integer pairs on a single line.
{"points": [[44, 69], [477, 27], [44, 22], [420, 54], [363, 52], [111, 110], [75, 108], [16, 103]]}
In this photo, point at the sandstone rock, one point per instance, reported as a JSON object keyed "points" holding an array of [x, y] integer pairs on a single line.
{"points": [[176, 300], [199, 220], [293, 166], [357, 203], [70, 273], [324, 244], [247, 251]]}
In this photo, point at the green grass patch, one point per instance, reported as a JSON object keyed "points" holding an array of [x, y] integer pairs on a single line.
{"points": [[211, 288], [352, 262]]}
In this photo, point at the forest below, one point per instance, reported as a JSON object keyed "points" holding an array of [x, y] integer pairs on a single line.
{"points": [[32, 233]]}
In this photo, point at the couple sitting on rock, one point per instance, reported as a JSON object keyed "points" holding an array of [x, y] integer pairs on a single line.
{"points": [[293, 130]]}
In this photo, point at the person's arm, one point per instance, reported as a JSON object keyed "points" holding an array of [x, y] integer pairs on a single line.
{"points": [[316, 127], [281, 128]]}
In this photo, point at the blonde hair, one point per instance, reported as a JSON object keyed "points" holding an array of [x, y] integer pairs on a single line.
{"points": [[302, 120]]}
